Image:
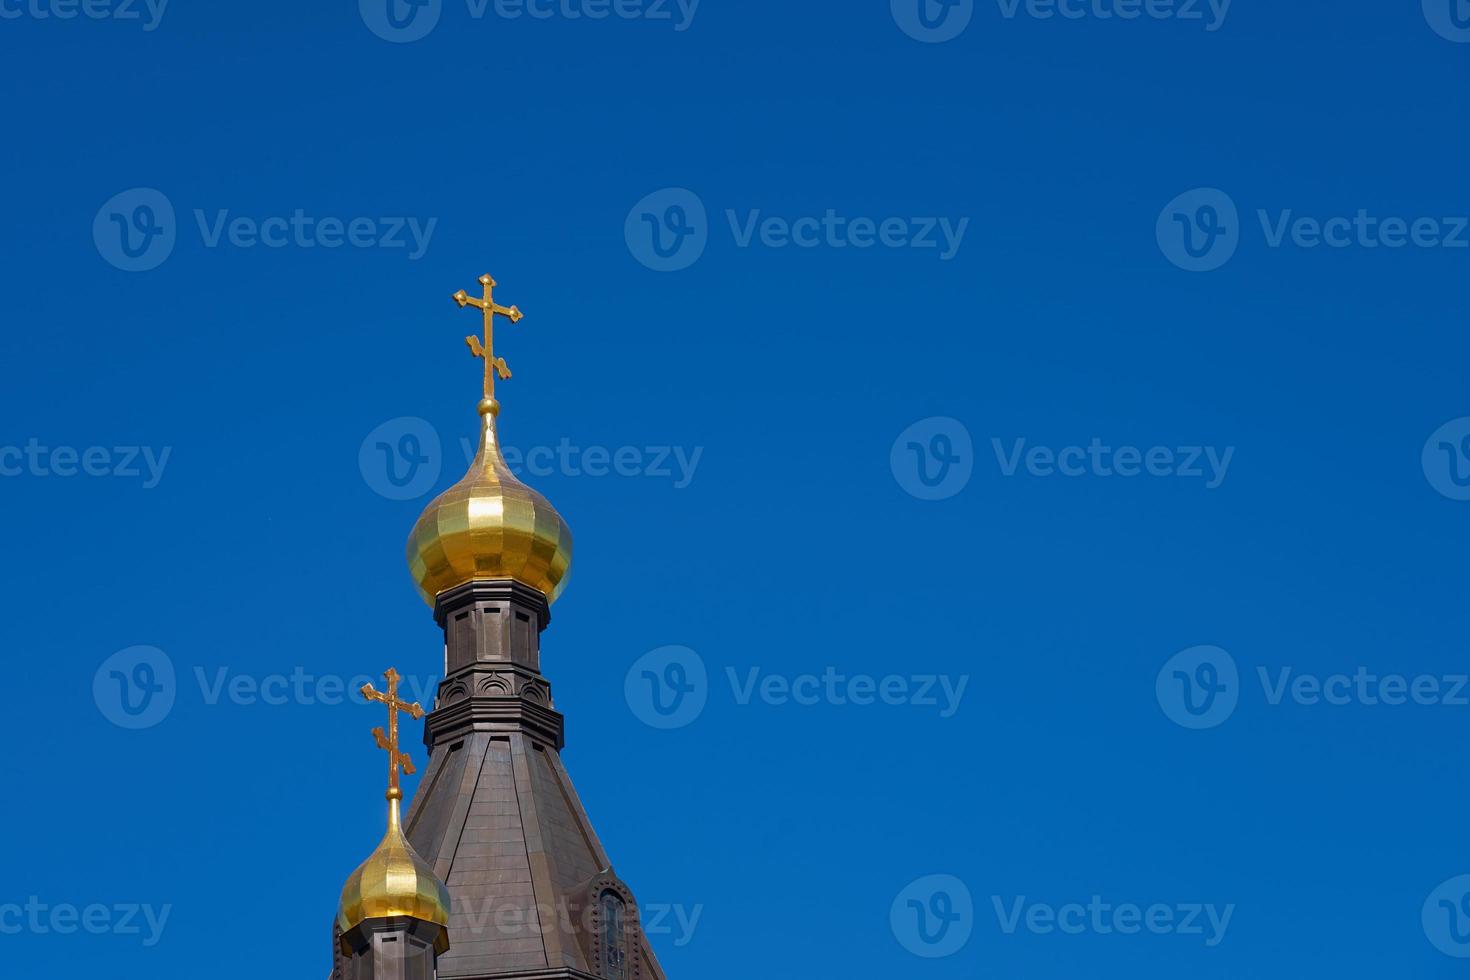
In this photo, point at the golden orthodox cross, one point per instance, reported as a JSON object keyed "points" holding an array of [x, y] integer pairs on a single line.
{"points": [[486, 351], [389, 742]]}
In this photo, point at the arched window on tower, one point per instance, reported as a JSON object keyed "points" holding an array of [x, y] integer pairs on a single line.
{"points": [[614, 937]]}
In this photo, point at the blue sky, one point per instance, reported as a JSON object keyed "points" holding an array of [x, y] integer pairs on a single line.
{"points": [[846, 325]]}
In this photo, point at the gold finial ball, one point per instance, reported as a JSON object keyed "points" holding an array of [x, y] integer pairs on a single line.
{"points": [[490, 526]]}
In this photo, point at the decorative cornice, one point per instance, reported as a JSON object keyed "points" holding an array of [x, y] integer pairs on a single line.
{"points": [[562, 974], [495, 698]]}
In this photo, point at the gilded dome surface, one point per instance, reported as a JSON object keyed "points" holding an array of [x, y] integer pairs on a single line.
{"points": [[490, 525], [395, 881]]}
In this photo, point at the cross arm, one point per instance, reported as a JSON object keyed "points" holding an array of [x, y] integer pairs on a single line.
{"points": [[402, 760], [465, 299], [414, 710]]}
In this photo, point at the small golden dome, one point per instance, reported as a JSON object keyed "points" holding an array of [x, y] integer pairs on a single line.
{"points": [[395, 881], [490, 526]]}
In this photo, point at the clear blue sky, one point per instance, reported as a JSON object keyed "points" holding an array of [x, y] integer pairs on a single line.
{"points": [[1053, 149]]}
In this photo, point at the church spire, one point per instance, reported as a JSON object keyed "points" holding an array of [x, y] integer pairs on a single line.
{"points": [[489, 526], [535, 893], [393, 919]]}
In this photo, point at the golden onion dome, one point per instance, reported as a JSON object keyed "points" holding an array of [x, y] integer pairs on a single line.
{"points": [[395, 881], [490, 525]]}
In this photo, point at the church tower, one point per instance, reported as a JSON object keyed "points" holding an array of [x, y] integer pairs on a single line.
{"points": [[532, 893]]}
